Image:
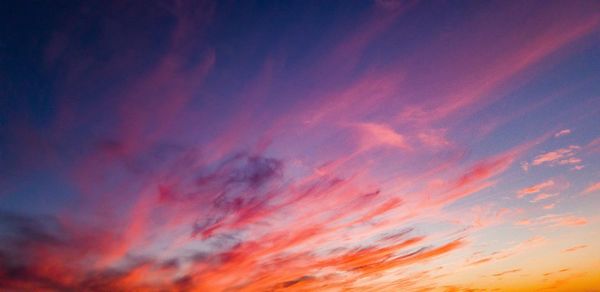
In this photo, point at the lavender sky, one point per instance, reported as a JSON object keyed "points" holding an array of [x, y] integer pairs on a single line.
{"points": [[299, 145]]}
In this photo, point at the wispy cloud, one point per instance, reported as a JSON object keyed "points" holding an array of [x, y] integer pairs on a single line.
{"points": [[560, 156], [594, 187], [204, 146], [542, 196], [561, 133], [534, 189], [506, 272], [554, 220], [575, 248], [516, 249], [381, 135]]}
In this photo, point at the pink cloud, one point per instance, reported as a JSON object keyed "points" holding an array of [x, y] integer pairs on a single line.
{"points": [[570, 160], [562, 133], [568, 221], [593, 146], [381, 135], [467, 97], [554, 220], [578, 167], [542, 196], [434, 138], [594, 187], [524, 165], [486, 216], [318, 210], [474, 179], [559, 156], [535, 188]]}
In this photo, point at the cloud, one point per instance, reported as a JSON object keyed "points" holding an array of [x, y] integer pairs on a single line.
{"points": [[40, 252], [257, 171], [420, 255], [571, 221], [486, 216], [570, 160], [554, 220], [575, 248], [434, 138], [381, 135], [506, 272], [593, 146], [578, 167], [560, 156], [594, 187], [183, 173], [473, 179], [511, 251], [561, 133], [542, 196], [535, 188]]}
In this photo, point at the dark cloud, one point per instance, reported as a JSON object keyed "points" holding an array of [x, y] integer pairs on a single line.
{"points": [[238, 188], [291, 283], [243, 169], [392, 236], [23, 241], [20, 230], [506, 272], [38, 252], [257, 171]]}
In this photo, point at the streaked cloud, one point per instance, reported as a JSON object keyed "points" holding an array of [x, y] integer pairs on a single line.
{"points": [[558, 157], [506, 272], [594, 187], [381, 134], [575, 248], [294, 146], [514, 250], [542, 196], [561, 133], [554, 220], [534, 189]]}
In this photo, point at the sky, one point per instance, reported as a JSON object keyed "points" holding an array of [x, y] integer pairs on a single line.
{"points": [[300, 145]]}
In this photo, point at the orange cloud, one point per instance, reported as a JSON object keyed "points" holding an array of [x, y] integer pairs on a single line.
{"points": [[594, 187], [185, 198], [574, 248], [535, 188], [559, 156], [516, 249], [506, 272], [418, 256], [554, 220]]}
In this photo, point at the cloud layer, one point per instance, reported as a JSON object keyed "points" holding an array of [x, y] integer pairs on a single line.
{"points": [[368, 146]]}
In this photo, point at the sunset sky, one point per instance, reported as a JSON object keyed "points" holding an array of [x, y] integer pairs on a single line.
{"points": [[300, 145]]}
